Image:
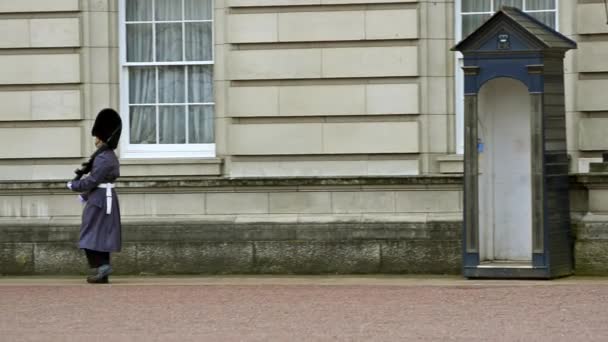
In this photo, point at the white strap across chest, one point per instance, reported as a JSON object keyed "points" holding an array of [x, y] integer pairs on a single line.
{"points": [[108, 187]]}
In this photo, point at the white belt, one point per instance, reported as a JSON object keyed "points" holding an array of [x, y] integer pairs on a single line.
{"points": [[108, 187]]}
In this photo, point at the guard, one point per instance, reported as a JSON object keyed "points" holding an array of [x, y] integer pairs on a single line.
{"points": [[100, 232]]}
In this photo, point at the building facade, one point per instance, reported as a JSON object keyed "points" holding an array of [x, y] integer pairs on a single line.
{"points": [[273, 136]]}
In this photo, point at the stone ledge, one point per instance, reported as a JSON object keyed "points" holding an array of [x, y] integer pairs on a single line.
{"points": [[208, 182]]}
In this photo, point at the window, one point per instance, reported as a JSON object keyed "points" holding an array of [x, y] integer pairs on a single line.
{"points": [[167, 78], [471, 14]]}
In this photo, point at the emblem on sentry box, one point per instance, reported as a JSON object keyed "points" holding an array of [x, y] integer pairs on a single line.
{"points": [[504, 42]]}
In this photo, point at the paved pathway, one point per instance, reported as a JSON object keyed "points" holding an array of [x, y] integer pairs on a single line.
{"points": [[303, 309]]}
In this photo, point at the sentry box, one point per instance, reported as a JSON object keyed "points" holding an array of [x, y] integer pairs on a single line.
{"points": [[516, 203]]}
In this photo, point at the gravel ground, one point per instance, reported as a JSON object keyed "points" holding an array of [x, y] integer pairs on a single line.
{"points": [[314, 310]]}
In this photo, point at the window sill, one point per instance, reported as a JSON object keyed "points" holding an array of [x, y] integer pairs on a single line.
{"points": [[453, 163]]}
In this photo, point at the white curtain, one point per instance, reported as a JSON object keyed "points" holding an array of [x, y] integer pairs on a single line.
{"points": [[142, 90], [470, 22], [513, 3], [476, 5], [167, 84]]}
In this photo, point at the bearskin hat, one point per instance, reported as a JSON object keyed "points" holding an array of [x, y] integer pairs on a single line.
{"points": [[108, 127]]}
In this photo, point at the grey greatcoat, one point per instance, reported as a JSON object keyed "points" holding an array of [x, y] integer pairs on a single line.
{"points": [[100, 231]]}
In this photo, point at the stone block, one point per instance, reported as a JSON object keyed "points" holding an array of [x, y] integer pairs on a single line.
{"points": [[316, 257], [300, 202], [591, 56], [56, 105], [399, 167], [437, 133], [347, 202], [371, 137], [14, 33], [51, 205], [274, 64], [439, 18], [392, 99], [440, 98], [321, 100], [253, 101], [263, 3], [428, 201], [220, 25], [591, 95], [194, 258], [170, 168], [10, 206], [438, 58], [60, 32], [421, 256], [16, 258], [125, 261], [253, 28], [174, 204], [237, 203], [37, 172], [43, 142], [101, 58], [97, 29], [321, 26], [59, 258], [592, 134], [370, 61], [451, 164], [97, 97], [261, 139], [591, 18], [598, 200], [391, 24], [353, 2], [34, 69], [40, 105], [132, 204], [16, 105], [12, 6], [590, 257]]}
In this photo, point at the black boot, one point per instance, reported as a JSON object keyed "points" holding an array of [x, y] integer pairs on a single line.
{"points": [[102, 275]]}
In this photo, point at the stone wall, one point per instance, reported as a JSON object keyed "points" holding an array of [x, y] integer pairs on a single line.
{"points": [[193, 225]]}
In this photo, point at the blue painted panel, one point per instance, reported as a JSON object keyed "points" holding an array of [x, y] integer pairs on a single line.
{"points": [[509, 65]]}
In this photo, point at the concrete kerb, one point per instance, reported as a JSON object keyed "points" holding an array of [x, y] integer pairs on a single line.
{"points": [[240, 280]]}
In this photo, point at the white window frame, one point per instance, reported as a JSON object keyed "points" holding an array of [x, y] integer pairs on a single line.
{"points": [[458, 63], [137, 151]]}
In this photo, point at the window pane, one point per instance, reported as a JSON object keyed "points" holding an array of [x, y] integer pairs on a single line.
{"points": [[200, 121], [142, 85], [139, 43], [142, 125], [476, 5], [171, 84], [198, 9], [512, 3], [471, 22], [168, 42], [139, 10], [200, 84], [198, 42], [171, 120], [168, 9], [547, 18], [540, 4]]}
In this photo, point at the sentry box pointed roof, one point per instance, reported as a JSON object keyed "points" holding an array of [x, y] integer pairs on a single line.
{"points": [[531, 34]]}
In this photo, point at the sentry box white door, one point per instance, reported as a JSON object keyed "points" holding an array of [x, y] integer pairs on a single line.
{"points": [[505, 187]]}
